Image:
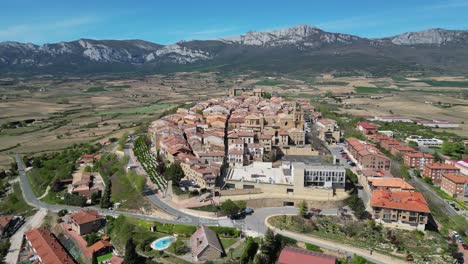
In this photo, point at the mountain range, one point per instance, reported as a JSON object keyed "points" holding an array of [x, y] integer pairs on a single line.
{"points": [[300, 48]]}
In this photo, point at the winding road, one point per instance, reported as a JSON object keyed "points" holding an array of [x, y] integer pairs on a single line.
{"points": [[253, 224]]}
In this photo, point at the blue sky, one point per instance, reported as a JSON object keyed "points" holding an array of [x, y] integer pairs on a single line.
{"points": [[165, 22]]}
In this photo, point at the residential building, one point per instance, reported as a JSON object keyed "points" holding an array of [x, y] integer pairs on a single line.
{"points": [[461, 164], [366, 128], [46, 247], [389, 144], [401, 150], [391, 184], [366, 155], [292, 255], [101, 247], [456, 185], [86, 184], [404, 209], [328, 130], [417, 159], [206, 245], [436, 170], [85, 221]]}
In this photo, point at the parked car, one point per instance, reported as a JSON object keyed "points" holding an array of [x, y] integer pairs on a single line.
{"points": [[248, 211], [454, 233], [465, 246], [460, 240]]}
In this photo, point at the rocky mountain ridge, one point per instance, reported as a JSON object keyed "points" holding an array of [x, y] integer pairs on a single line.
{"points": [[306, 41]]}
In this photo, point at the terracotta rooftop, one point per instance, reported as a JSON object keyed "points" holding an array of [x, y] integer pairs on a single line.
{"points": [[326, 121], [366, 125], [47, 246], [440, 166], [101, 244], [85, 216], [391, 183], [290, 255], [400, 200], [418, 154], [459, 179]]}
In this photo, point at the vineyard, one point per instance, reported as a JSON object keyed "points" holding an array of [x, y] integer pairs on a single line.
{"points": [[149, 162]]}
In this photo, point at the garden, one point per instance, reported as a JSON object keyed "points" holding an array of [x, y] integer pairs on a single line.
{"points": [[149, 162], [367, 234]]}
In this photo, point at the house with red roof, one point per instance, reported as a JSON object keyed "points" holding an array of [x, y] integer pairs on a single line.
{"points": [[366, 128], [456, 185], [46, 247], [291, 255], [436, 170], [85, 221], [401, 209], [417, 159]]}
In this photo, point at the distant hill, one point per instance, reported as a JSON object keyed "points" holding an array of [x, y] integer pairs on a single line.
{"points": [[301, 48]]}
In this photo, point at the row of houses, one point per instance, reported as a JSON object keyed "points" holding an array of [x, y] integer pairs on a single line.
{"points": [[451, 176], [394, 201]]}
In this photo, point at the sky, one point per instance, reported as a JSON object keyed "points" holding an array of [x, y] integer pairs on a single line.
{"points": [[166, 22]]}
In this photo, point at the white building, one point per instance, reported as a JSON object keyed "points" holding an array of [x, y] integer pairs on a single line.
{"points": [[425, 142], [393, 118]]}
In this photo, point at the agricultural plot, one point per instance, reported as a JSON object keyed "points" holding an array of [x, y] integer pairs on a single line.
{"points": [[149, 162]]}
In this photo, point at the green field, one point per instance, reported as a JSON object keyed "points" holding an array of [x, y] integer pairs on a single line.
{"points": [[135, 111], [462, 84], [367, 90], [14, 203], [98, 89]]}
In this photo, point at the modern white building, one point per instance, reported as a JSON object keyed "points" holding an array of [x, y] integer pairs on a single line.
{"points": [[424, 142], [291, 177]]}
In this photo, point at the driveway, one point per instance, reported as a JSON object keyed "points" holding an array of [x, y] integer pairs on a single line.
{"points": [[17, 239]]}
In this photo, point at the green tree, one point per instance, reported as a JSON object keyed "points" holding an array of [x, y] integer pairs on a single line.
{"points": [[268, 245], [122, 140], [229, 207], [303, 209], [249, 252], [95, 260], [4, 247], [131, 256], [88, 169], [241, 205], [106, 197]]}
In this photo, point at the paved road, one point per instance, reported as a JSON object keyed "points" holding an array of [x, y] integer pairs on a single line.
{"points": [[32, 200], [17, 239], [150, 193], [254, 223], [431, 195]]}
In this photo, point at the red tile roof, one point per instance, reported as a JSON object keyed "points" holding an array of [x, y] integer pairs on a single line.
{"points": [[440, 166], [47, 246], [366, 125], [401, 200], [85, 216], [101, 244], [290, 255], [391, 183], [459, 179]]}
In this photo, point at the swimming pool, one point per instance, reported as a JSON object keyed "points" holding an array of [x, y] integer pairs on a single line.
{"points": [[162, 243]]}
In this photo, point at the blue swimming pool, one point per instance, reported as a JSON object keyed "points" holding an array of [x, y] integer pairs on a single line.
{"points": [[162, 243]]}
